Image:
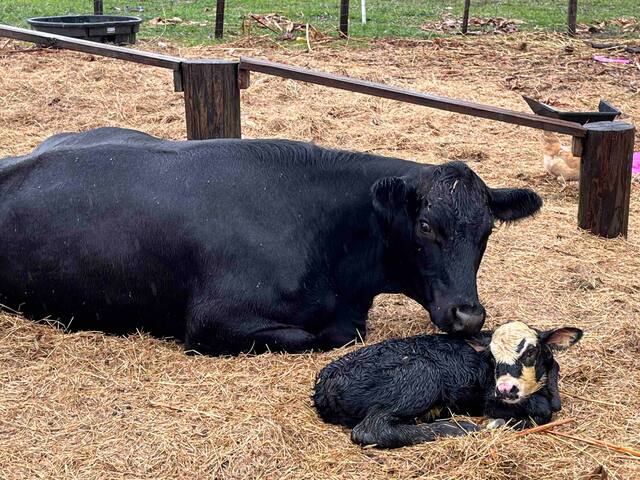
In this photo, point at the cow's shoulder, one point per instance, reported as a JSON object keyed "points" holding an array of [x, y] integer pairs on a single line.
{"points": [[311, 155], [104, 136], [271, 148]]}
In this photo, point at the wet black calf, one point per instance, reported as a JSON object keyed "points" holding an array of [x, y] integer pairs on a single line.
{"points": [[391, 393]]}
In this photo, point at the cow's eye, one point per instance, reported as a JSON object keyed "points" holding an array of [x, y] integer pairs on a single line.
{"points": [[425, 227]]}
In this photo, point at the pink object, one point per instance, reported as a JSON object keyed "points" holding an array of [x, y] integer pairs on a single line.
{"points": [[601, 59], [635, 166], [505, 387]]}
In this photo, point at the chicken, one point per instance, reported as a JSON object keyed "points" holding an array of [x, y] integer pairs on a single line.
{"points": [[558, 159]]}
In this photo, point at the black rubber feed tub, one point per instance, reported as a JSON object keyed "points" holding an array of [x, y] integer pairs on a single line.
{"points": [[97, 28]]}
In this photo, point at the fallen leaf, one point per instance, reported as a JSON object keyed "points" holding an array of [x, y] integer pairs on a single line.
{"points": [[286, 28], [164, 21], [497, 25]]}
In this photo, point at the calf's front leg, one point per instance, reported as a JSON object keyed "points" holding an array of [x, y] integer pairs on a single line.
{"points": [[384, 430], [536, 410]]}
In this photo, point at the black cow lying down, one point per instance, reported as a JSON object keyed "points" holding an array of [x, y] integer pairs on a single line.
{"points": [[239, 245], [382, 390]]}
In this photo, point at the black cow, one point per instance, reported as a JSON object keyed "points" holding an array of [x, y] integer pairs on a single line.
{"points": [[240, 245], [381, 390]]}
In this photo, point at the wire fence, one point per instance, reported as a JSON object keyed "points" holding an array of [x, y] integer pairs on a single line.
{"points": [[194, 20]]}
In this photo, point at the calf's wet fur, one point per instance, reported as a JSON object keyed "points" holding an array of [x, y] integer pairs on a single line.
{"points": [[403, 391]]}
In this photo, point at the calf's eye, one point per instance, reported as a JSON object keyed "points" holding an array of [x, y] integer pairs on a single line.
{"points": [[529, 355]]}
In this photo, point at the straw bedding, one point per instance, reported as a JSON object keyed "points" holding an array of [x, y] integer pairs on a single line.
{"points": [[86, 405]]}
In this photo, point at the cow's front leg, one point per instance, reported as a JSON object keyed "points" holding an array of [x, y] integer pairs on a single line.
{"points": [[227, 335], [349, 325]]}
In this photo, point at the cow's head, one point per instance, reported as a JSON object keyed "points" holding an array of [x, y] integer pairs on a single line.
{"points": [[524, 360], [436, 224]]}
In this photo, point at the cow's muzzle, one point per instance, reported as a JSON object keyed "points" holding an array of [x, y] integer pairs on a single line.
{"points": [[462, 320], [467, 320]]}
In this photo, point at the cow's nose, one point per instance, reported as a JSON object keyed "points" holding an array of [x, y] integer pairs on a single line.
{"points": [[469, 319]]}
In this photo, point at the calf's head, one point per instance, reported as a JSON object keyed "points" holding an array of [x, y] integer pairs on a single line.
{"points": [[436, 224], [524, 359]]}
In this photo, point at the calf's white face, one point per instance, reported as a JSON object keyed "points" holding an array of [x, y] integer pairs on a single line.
{"points": [[524, 358], [514, 347]]}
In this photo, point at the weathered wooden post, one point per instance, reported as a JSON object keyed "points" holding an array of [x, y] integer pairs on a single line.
{"points": [[605, 178], [344, 18], [572, 16], [211, 98], [98, 8], [219, 19], [465, 16]]}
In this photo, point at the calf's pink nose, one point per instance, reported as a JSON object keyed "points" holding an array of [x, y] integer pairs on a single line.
{"points": [[505, 387]]}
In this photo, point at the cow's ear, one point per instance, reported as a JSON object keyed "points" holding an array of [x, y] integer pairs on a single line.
{"points": [[390, 197], [480, 342], [511, 204], [561, 338]]}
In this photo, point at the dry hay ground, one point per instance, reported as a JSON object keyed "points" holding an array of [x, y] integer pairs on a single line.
{"points": [[86, 405]]}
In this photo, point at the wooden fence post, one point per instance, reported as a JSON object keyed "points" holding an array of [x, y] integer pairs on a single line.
{"points": [[344, 18], [98, 8], [605, 178], [465, 16], [219, 19], [211, 99], [572, 15]]}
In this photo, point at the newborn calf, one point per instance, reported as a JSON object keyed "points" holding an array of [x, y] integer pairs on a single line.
{"points": [[386, 391]]}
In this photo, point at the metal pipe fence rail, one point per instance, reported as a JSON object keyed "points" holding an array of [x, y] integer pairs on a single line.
{"points": [[212, 108]]}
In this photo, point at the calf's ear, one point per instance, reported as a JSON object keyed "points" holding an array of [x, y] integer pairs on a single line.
{"points": [[391, 198], [511, 204], [561, 338]]}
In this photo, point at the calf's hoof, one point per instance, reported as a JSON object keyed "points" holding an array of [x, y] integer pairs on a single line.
{"points": [[496, 423], [450, 428], [469, 427]]}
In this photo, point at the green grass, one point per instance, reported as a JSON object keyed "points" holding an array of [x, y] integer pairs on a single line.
{"points": [[386, 18]]}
